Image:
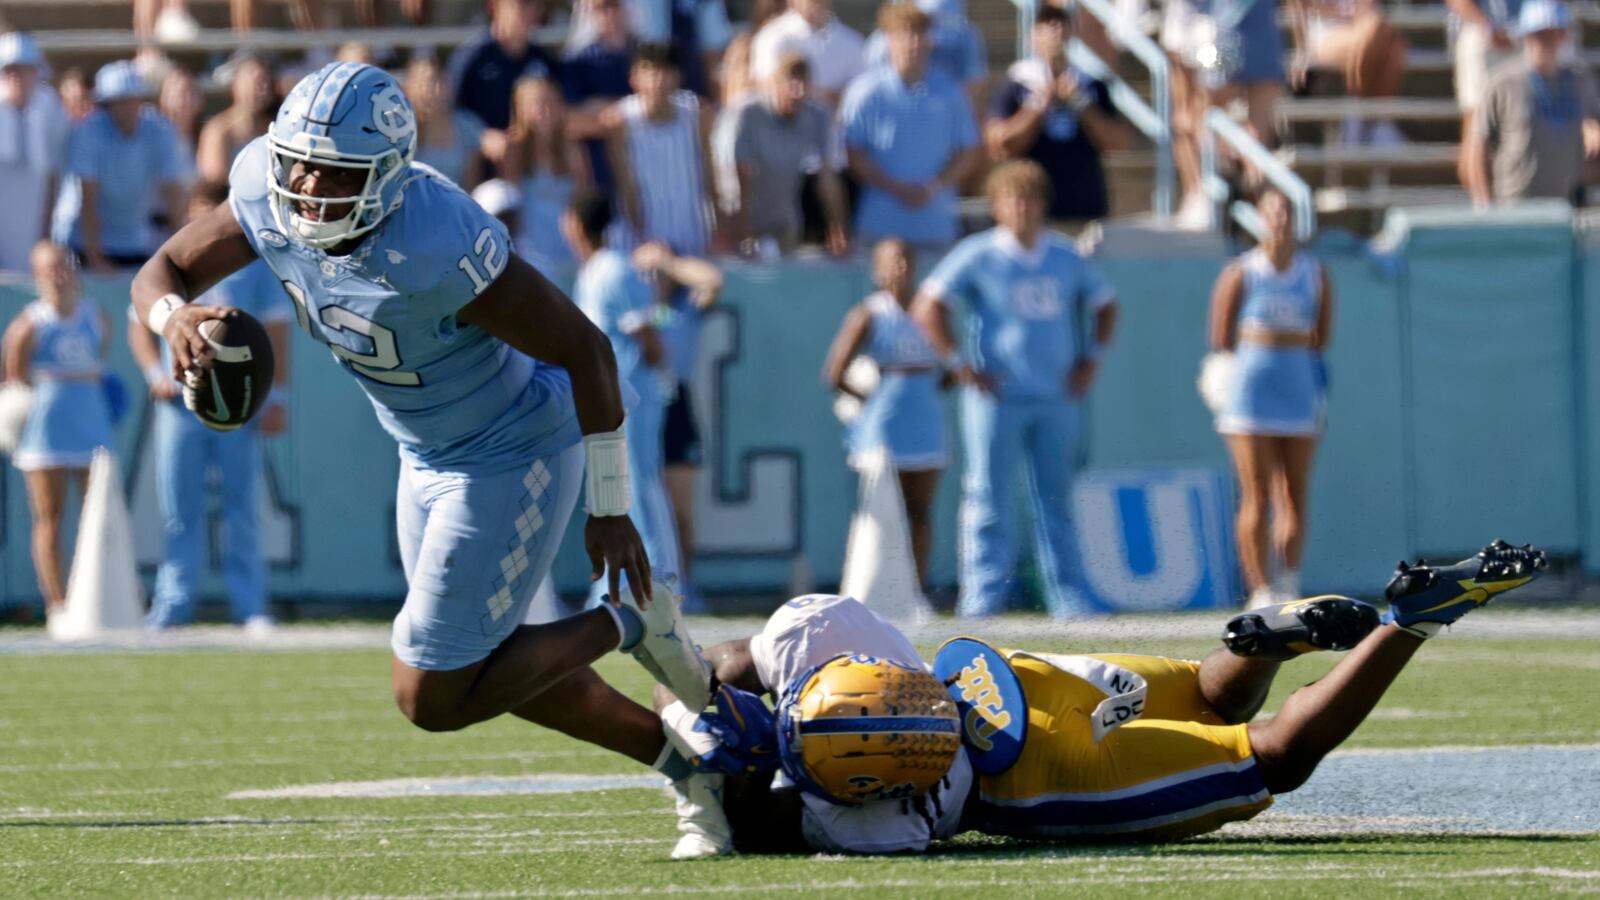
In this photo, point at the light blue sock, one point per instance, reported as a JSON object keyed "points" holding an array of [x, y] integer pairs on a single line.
{"points": [[629, 625]]}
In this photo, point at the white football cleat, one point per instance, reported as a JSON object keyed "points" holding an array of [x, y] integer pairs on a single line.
{"points": [[705, 827], [666, 650]]}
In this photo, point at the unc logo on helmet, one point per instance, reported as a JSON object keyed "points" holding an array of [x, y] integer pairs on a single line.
{"points": [[858, 728], [343, 116]]}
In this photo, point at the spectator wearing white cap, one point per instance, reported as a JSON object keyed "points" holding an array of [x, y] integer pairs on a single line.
{"points": [[1540, 116], [119, 160], [33, 139]]}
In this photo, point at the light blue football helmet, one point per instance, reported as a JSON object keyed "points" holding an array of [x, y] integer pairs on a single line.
{"points": [[345, 114]]}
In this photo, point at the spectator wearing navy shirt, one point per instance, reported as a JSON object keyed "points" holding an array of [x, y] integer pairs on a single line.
{"points": [[1061, 119], [486, 71], [119, 160], [910, 136], [594, 76]]}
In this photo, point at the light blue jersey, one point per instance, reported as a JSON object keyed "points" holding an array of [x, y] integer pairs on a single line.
{"points": [[186, 453], [126, 170], [452, 395], [1025, 306], [912, 132], [619, 302], [1280, 301], [69, 418]]}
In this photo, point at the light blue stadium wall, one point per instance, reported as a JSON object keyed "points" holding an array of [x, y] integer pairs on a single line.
{"points": [[1459, 412]]}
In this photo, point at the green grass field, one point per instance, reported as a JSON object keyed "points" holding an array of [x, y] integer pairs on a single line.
{"points": [[116, 770]]}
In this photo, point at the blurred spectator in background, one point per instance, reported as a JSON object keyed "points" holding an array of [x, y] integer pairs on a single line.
{"points": [[1353, 37], [447, 138], [547, 167], [58, 345], [254, 102], [697, 29], [1247, 60], [618, 301], [594, 76], [1060, 118], [779, 138], [357, 52], [485, 71], [836, 51], [957, 48], [685, 287], [33, 143], [738, 89], [659, 156], [904, 415], [120, 161], [501, 199], [910, 136], [187, 453], [180, 102], [1481, 41], [77, 96], [1272, 308], [1026, 370], [1540, 116], [170, 22]]}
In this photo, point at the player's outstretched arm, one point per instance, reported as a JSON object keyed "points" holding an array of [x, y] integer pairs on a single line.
{"points": [[201, 254], [526, 311]]}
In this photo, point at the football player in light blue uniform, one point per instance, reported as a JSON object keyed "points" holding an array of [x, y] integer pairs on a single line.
{"points": [[186, 449], [618, 301], [1025, 369], [503, 398]]}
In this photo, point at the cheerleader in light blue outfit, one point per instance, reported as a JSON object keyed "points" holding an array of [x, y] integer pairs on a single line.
{"points": [[902, 415], [57, 344], [1272, 308]]}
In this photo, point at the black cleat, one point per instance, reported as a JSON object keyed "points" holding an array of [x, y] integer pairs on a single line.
{"points": [[1329, 622], [1423, 598]]}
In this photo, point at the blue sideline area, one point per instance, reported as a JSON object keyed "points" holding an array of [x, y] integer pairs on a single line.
{"points": [[1461, 409]]}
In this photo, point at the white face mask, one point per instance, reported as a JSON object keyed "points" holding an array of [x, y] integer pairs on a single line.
{"points": [[366, 207]]}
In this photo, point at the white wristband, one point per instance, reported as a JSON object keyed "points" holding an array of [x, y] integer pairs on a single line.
{"points": [[606, 473], [162, 310]]}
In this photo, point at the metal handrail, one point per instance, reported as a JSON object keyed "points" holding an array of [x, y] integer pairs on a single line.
{"points": [[1153, 118], [1219, 124]]}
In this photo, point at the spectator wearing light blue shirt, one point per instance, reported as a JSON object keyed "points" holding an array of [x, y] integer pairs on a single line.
{"points": [[1025, 371], [958, 50], [910, 136], [118, 160]]}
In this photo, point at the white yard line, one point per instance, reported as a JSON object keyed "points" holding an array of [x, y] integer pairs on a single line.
{"points": [[1502, 622]]}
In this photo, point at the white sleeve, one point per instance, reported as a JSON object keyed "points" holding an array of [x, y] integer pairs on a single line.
{"points": [[814, 628], [889, 826]]}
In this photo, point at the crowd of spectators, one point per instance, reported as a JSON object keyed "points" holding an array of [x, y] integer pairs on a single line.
{"points": [[792, 130]]}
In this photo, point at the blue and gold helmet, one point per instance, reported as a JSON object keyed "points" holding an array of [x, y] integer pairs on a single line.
{"points": [[858, 728], [350, 115]]}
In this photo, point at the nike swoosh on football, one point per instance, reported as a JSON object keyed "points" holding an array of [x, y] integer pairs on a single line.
{"points": [[221, 411]]}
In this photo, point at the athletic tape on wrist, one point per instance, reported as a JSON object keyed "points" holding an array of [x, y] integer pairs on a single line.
{"points": [[606, 473], [162, 311]]}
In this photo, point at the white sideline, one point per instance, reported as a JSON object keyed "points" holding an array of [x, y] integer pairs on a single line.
{"points": [[1504, 622]]}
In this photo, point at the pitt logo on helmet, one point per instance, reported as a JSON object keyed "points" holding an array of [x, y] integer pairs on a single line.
{"points": [[989, 697], [858, 728]]}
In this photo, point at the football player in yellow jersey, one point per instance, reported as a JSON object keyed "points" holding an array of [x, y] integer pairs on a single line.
{"points": [[860, 755]]}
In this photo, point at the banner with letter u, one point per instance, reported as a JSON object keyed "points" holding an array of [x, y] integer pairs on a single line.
{"points": [[1157, 540]]}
